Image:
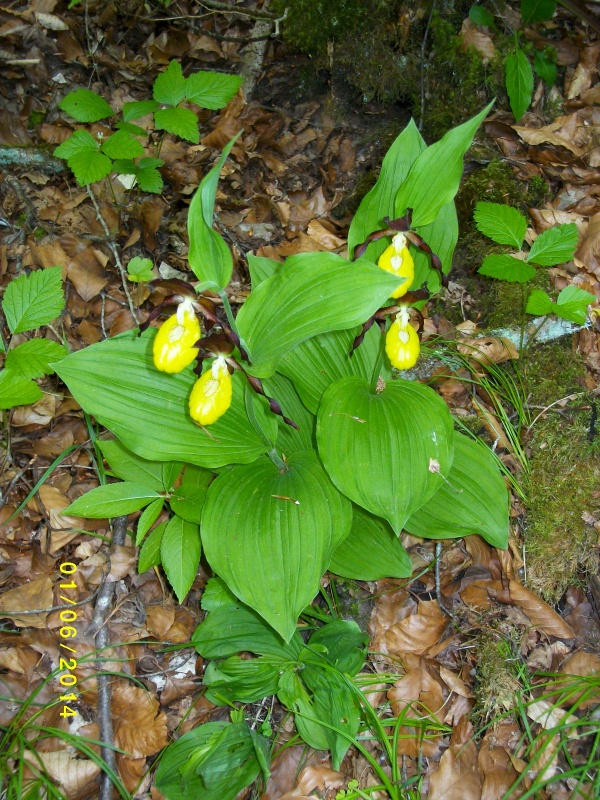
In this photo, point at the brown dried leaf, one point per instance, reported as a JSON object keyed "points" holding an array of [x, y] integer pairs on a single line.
{"points": [[418, 632], [588, 252], [494, 760], [457, 777], [488, 349], [585, 72], [140, 727], [547, 135], [39, 414], [36, 594], [540, 613], [471, 35], [71, 773]]}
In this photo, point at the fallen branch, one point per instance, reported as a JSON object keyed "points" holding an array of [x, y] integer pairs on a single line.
{"points": [[30, 158]]}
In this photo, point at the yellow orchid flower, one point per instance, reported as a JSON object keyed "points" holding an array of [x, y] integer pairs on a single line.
{"points": [[398, 260], [401, 342], [173, 345], [211, 394]]}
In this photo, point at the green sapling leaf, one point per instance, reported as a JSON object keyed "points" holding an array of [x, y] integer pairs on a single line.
{"points": [[506, 268], [572, 303], [501, 223], [555, 246], [86, 106], [481, 16], [138, 109], [33, 300], [169, 87], [537, 10], [112, 500], [180, 554], [32, 359], [150, 551], [129, 127], [545, 68], [539, 303], [150, 180], [211, 89], [15, 390], [180, 121], [122, 145], [139, 269], [79, 142], [519, 82], [82, 153], [147, 518]]}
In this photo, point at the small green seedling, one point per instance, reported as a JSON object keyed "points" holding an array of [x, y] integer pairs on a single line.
{"points": [[139, 270]]}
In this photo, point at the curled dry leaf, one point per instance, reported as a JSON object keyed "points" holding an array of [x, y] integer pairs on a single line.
{"points": [[540, 613], [141, 728], [549, 716], [494, 759], [488, 349], [585, 72], [457, 776], [418, 632], [72, 774], [36, 594], [588, 252], [472, 35]]}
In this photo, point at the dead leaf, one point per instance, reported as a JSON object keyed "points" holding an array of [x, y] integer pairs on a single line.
{"points": [[549, 716], [540, 613], [36, 594], [457, 776], [471, 35], [72, 774], [140, 727], [488, 349], [588, 252], [418, 632], [547, 135], [585, 71]]}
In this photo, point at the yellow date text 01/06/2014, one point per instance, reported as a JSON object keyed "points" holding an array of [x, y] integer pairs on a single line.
{"points": [[67, 666]]}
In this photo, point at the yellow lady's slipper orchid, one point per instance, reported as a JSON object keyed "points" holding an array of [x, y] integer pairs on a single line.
{"points": [[398, 260], [211, 395], [401, 342], [173, 345]]}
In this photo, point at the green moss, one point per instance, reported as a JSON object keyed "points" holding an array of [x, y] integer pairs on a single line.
{"points": [[565, 473], [497, 685]]}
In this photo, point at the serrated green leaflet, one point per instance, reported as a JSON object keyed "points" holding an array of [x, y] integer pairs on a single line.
{"points": [[81, 142], [537, 10], [147, 518], [85, 106], [150, 550], [385, 450], [15, 390], [555, 246], [122, 145], [572, 303], [209, 256], [501, 223], [506, 268], [139, 269], [32, 359], [112, 500], [180, 554], [434, 177], [211, 89], [310, 294], [472, 499], [180, 121], [371, 551], [117, 382], [149, 180], [33, 300], [519, 82], [380, 201], [169, 86], [271, 534], [138, 109], [545, 68], [318, 362]]}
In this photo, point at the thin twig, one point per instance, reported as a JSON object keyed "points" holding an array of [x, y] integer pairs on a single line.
{"points": [[438, 581], [99, 629], [216, 5], [423, 47], [115, 252]]}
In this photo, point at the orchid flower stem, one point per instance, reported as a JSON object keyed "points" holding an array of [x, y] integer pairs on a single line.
{"points": [[230, 317]]}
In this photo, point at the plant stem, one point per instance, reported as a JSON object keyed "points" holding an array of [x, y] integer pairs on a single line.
{"points": [[277, 460]]}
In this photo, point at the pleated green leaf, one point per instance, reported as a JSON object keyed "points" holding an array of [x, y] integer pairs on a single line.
{"points": [[310, 294], [388, 450], [270, 534], [371, 551], [116, 382], [180, 554], [318, 362], [473, 499]]}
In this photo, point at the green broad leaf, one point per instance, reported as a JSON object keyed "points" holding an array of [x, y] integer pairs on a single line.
{"points": [[116, 381], [388, 450], [32, 359], [310, 294], [519, 82], [545, 68], [501, 223], [150, 180], [211, 89], [242, 680], [122, 145], [290, 440], [271, 534], [539, 303], [180, 554], [371, 551], [216, 594], [481, 16], [506, 268], [80, 143], [214, 761], [209, 257], [85, 106], [434, 177], [89, 167], [33, 300], [128, 127], [171, 470], [148, 163], [15, 390], [472, 499], [138, 109], [342, 644], [169, 87], [112, 500], [537, 10], [180, 121], [188, 499], [139, 269], [572, 303], [129, 467], [234, 628], [555, 246], [147, 518], [441, 235], [294, 695], [124, 166], [318, 362], [261, 268], [380, 201], [150, 550]]}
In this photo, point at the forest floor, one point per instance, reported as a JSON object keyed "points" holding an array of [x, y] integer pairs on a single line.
{"points": [[499, 689]]}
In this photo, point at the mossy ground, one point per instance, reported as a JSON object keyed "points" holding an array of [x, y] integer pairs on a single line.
{"points": [[497, 683]]}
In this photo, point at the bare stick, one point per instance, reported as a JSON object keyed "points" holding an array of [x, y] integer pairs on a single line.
{"points": [[115, 252], [99, 629]]}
